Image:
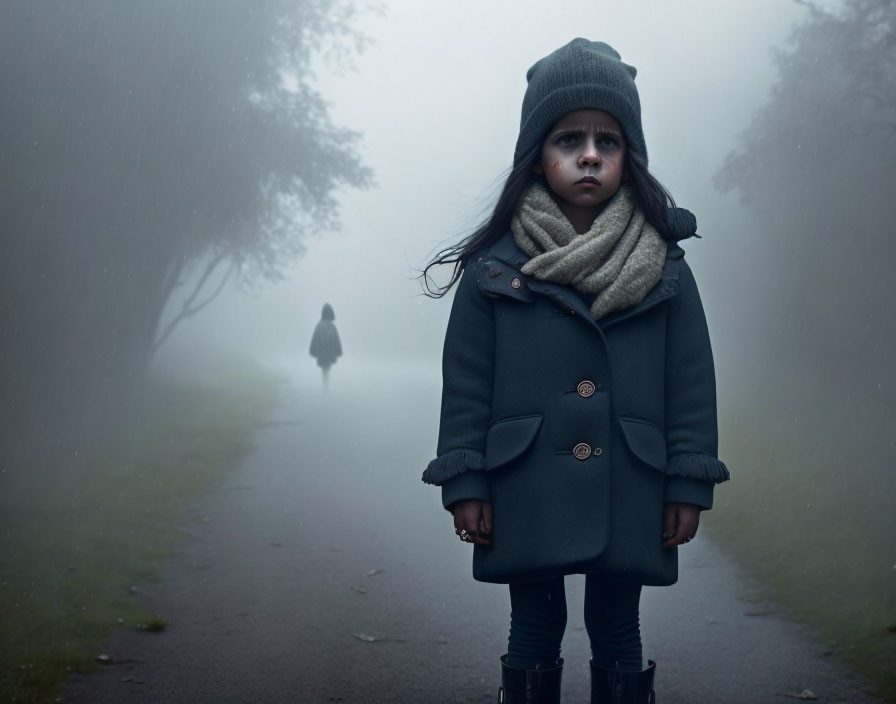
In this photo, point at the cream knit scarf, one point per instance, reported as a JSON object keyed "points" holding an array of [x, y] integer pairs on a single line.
{"points": [[619, 259]]}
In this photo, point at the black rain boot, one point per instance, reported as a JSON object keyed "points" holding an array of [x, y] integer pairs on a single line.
{"points": [[538, 686], [618, 687]]}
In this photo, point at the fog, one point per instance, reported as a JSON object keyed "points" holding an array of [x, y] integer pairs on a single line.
{"points": [[382, 139], [437, 98]]}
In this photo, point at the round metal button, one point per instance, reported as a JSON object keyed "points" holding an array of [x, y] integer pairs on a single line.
{"points": [[515, 282], [597, 452], [586, 388], [582, 451]]}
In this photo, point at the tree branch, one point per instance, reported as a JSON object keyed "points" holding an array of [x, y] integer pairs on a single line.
{"points": [[190, 308], [209, 270]]}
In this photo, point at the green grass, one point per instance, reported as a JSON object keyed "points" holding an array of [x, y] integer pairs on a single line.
{"points": [[77, 544], [810, 513]]}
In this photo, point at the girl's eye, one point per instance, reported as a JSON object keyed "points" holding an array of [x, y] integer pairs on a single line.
{"points": [[607, 142], [567, 140]]}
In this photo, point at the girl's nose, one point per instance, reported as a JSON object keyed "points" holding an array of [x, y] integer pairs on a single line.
{"points": [[590, 157]]}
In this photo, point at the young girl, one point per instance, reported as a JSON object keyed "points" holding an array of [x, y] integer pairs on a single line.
{"points": [[325, 344], [578, 422]]}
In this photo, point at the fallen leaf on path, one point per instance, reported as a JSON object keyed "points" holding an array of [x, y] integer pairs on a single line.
{"points": [[360, 590], [130, 678], [805, 694], [276, 545], [156, 624], [371, 639], [711, 621], [376, 571], [109, 660], [757, 612]]}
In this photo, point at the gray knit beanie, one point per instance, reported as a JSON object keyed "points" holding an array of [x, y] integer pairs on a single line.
{"points": [[582, 75]]}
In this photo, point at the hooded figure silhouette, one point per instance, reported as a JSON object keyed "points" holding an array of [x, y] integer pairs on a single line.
{"points": [[325, 344]]}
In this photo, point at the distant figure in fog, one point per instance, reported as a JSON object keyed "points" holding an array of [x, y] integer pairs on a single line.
{"points": [[325, 345]]}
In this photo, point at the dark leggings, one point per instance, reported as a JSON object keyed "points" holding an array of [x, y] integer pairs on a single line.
{"points": [[538, 620]]}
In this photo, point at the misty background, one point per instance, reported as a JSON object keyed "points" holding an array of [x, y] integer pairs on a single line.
{"points": [[253, 161], [125, 173]]}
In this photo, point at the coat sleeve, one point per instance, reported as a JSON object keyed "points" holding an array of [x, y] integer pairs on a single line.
{"points": [[468, 361], [314, 349], [337, 344], [692, 437]]}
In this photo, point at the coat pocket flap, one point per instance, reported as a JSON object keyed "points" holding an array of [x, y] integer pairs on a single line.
{"points": [[646, 440], [508, 439]]}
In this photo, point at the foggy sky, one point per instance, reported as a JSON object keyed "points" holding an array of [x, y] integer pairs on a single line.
{"points": [[437, 98]]}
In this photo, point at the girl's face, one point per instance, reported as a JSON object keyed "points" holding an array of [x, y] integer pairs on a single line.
{"points": [[583, 160]]}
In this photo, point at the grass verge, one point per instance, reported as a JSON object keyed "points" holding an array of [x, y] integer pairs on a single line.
{"points": [[809, 512], [76, 545]]}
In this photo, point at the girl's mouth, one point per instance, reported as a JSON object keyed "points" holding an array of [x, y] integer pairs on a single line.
{"points": [[587, 181]]}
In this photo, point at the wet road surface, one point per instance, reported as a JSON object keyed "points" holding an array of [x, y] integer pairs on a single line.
{"points": [[323, 570]]}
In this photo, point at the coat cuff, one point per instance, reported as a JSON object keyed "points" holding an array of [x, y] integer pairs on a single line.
{"points": [[698, 466], [451, 464], [684, 490], [469, 485]]}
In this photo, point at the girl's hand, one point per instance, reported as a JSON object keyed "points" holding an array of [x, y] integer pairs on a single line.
{"points": [[680, 523], [474, 517]]}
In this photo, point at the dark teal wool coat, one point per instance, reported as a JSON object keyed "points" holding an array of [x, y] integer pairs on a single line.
{"points": [[577, 473]]}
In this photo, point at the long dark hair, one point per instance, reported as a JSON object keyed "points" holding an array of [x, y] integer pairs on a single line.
{"points": [[650, 196]]}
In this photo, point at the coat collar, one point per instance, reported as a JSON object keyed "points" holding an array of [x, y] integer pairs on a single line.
{"points": [[494, 280]]}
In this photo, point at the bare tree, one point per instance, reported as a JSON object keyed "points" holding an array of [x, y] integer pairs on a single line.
{"points": [[816, 168], [141, 141]]}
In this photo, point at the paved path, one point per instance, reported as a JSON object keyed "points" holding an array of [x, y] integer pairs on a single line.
{"points": [[323, 570]]}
